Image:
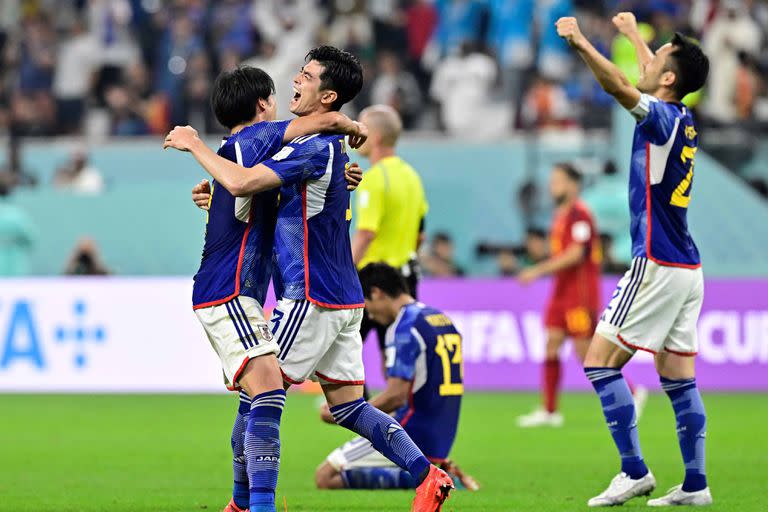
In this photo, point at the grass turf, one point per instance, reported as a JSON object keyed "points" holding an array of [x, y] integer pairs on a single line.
{"points": [[171, 453]]}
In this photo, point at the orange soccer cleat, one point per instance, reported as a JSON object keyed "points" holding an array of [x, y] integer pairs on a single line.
{"points": [[433, 491], [231, 507]]}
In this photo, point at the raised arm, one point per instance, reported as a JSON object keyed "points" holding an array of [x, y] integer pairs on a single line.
{"points": [[329, 122], [607, 74], [627, 25], [240, 181]]}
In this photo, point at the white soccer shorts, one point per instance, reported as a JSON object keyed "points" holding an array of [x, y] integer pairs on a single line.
{"points": [[238, 332], [357, 453], [655, 308], [318, 343]]}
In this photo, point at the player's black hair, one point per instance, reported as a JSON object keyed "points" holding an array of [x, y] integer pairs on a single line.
{"points": [[385, 278], [689, 63], [343, 73], [235, 94], [536, 232], [570, 170]]}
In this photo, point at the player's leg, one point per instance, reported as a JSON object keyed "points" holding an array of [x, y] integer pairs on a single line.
{"points": [[240, 489], [676, 369], [547, 415], [637, 318], [241, 338], [357, 465], [341, 375]]}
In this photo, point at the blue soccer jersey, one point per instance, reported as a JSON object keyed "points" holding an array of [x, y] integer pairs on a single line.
{"points": [[424, 347], [312, 246], [660, 183], [239, 234]]}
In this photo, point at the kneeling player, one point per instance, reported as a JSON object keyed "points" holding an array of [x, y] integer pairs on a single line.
{"points": [[424, 388]]}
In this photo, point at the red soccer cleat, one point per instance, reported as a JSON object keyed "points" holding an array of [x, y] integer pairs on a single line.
{"points": [[433, 491], [231, 507]]}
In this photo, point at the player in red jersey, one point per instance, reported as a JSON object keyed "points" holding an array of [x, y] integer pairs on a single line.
{"points": [[575, 302]]}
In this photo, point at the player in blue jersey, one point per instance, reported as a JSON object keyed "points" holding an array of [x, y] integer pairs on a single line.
{"points": [[318, 316], [231, 284], [656, 305], [424, 388]]}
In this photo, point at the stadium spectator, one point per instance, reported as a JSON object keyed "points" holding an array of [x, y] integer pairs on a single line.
{"points": [[396, 88], [86, 260], [536, 246], [78, 176], [438, 260], [732, 31], [17, 234], [546, 105], [462, 85], [76, 61]]}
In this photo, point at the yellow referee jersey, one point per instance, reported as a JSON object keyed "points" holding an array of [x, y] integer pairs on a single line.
{"points": [[390, 202]]}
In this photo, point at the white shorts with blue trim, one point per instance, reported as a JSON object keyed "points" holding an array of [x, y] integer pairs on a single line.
{"points": [[654, 308], [357, 453], [238, 332], [318, 343]]}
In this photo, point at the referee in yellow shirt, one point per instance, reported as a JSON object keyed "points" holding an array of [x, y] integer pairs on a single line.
{"points": [[391, 205]]}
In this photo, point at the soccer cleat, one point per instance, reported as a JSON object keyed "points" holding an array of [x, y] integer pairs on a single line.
{"points": [[641, 397], [540, 418], [231, 507], [459, 476], [623, 489], [677, 496], [433, 491]]}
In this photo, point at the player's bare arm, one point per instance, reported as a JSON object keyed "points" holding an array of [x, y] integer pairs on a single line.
{"points": [[329, 122], [361, 240], [573, 255], [626, 23], [607, 74]]}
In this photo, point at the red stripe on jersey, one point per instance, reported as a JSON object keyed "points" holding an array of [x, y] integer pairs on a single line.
{"points": [[648, 216]]}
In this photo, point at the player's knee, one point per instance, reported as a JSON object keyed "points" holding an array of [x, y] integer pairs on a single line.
{"points": [[324, 476], [603, 353]]}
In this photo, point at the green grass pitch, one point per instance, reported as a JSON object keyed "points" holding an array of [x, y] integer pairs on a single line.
{"points": [[111, 453]]}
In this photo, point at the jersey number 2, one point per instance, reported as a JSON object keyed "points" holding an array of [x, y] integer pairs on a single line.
{"points": [[449, 349], [678, 196]]}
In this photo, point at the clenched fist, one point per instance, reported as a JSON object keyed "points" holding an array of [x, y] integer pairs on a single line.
{"points": [[181, 138], [568, 29], [626, 23]]}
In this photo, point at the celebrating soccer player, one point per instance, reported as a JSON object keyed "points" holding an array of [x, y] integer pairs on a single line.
{"points": [[424, 388], [231, 285], [656, 304], [317, 320]]}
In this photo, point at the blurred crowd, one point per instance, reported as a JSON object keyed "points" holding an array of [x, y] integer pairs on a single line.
{"points": [[469, 67]]}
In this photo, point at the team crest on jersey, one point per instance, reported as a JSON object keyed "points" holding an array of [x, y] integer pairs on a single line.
{"points": [[690, 132], [264, 331]]}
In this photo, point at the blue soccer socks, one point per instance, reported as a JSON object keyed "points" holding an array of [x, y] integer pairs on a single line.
{"points": [[262, 447], [240, 491], [619, 410], [691, 429], [384, 433]]}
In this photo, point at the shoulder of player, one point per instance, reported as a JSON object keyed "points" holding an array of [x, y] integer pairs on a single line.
{"points": [[581, 210]]}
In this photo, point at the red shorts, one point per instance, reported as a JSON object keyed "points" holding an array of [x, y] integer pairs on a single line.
{"points": [[576, 320]]}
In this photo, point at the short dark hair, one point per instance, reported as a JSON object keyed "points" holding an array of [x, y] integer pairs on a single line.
{"points": [[385, 278], [690, 65], [343, 73], [570, 170], [235, 94]]}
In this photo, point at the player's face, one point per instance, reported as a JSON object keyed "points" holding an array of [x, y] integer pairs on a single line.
{"points": [[558, 186], [306, 89], [651, 76], [377, 306], [270, 108]]}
